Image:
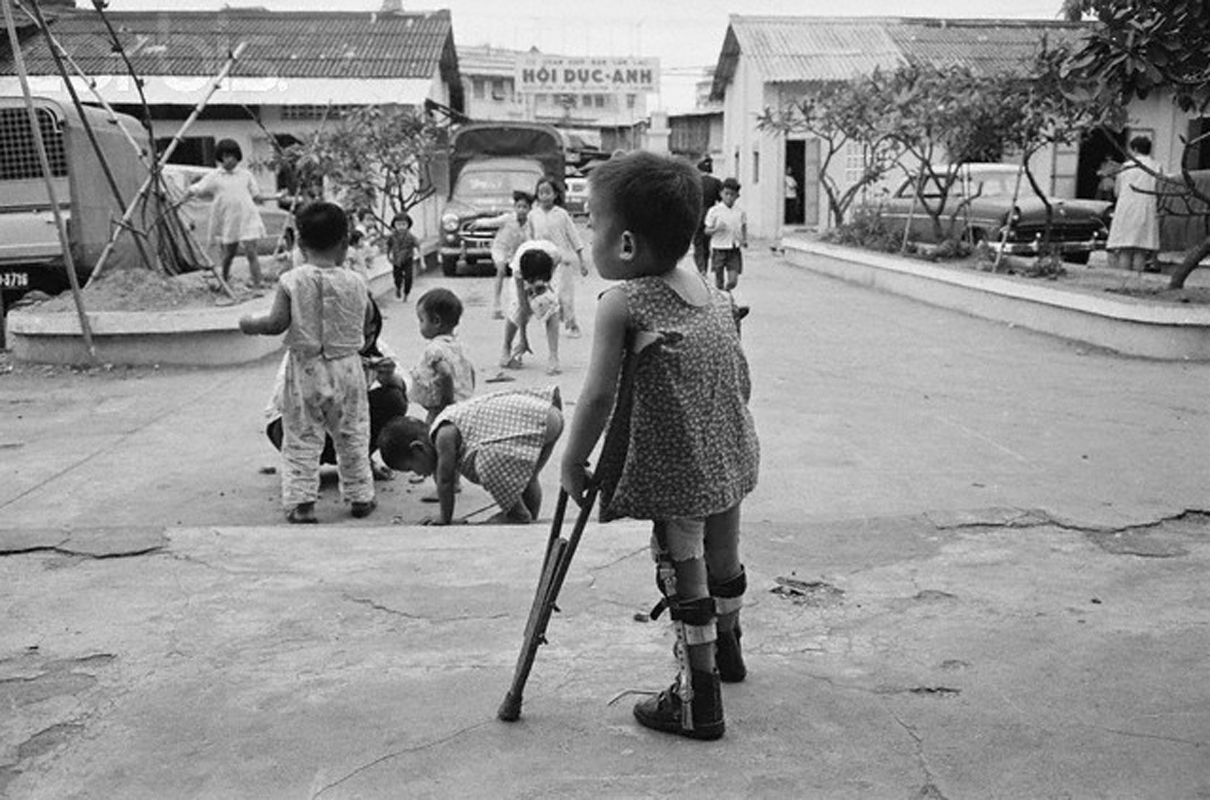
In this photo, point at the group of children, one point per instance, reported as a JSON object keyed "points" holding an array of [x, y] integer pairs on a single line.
{"points": [[667, 377]]}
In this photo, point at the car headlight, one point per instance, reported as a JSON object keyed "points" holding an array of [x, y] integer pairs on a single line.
{"points": [[1015, 216], [449, 222]]}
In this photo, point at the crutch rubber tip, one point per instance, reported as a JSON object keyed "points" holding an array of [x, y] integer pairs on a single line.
{"points": [[510, 709]]}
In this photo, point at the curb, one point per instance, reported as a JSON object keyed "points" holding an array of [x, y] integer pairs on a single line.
{"points": [[1125, 325]]}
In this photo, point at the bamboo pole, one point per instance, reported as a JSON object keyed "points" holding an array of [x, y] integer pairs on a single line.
{"points": [[163, 159], [60, 225], [92, 137]]}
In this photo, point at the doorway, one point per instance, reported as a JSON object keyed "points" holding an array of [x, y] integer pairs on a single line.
{"points": [[1095, 147], [793, 183]]}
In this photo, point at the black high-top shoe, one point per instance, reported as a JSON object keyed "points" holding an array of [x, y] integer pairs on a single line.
{"points": [[728, 656], [663, 711]]}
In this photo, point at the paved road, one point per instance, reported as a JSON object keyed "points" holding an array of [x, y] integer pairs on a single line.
{"points": [[972, 576]]}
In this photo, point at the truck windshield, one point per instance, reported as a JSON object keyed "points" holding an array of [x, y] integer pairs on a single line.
{"points": [[494, 184]]}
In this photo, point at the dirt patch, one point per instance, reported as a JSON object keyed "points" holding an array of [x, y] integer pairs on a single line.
{"points": [[144, 290]]}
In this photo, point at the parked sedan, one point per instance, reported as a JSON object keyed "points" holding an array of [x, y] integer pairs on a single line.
{"points": [[981, 208]]}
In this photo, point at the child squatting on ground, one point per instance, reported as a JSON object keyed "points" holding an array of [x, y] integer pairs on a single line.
{"points": [[324, 310], [499, 440], [534, 295], [682, 449]]}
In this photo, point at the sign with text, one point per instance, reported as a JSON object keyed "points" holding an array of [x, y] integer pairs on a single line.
{"points": [[564, 75]]}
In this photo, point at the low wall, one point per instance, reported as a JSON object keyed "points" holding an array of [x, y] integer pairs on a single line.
{"points": [[1128, 325], [208, 337]]}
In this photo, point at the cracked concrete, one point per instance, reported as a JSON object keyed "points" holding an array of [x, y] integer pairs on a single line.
{"points": [[976, 568]]}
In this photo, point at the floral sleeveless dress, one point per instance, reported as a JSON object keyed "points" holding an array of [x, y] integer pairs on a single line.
{"points": [[681, 441]]}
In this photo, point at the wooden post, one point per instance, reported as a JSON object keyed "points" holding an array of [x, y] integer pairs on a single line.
{"points": [[163, 159], [36, 129]]}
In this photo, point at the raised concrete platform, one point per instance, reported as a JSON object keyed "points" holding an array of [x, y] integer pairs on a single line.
{"points": [[207, 337], [1128, 325]]}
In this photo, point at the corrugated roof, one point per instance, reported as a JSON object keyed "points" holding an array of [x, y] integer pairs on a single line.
{"points": [[824, 49], [334, 44]]}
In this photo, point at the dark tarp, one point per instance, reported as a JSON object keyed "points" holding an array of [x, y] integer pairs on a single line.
{"points": [[477, 140]]}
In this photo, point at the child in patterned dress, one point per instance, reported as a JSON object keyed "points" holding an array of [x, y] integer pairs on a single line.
{"points": [[444, 375], [499, 440], [670, 379]]}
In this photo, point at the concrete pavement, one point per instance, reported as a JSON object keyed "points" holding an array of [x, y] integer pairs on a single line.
{"points": [[976, 570]]}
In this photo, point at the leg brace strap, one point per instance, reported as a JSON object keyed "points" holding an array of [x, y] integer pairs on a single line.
{"points": [[729, 594]]}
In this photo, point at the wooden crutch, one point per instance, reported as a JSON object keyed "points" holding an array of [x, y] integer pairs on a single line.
{"points": [[559, 552]]}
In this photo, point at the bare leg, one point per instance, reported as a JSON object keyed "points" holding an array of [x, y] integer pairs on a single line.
{"points": [[532, 496], [253, 263], [497, 288], [510, 333], [228, 250], [552, 344]]}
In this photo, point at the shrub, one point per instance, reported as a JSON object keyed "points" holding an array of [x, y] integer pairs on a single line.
{"points": [[867, 229]]}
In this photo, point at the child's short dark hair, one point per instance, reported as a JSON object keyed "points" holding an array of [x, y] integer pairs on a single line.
{"points": [[657, 198], [396, 438], [354, 237], [536, 265], [731, 183], [526, 196], [322, 226], [442, 304], [402, 218], [1141, 145], [228, 147]]}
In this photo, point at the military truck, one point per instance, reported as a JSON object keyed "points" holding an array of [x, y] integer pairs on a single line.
{"points": [[488, 162]]}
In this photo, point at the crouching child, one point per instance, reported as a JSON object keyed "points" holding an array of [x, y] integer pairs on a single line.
{"points": [[500, 441]]}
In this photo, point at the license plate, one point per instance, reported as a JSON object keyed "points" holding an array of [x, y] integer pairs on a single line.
{"points": [[14, 279]]}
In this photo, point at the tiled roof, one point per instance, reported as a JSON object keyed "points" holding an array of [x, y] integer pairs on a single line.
{"points": [[336, 44], [822, 49]]}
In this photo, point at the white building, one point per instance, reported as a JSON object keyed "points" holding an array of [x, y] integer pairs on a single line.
{"points": [[770, 61]]}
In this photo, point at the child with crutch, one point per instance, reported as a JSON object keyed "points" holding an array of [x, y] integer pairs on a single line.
{"points": [[688, 452]]}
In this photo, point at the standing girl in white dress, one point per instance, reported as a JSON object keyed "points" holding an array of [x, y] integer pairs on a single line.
{"points": [[555, 225], [234, 218]]}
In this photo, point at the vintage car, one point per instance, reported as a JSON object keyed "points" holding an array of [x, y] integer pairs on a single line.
{"points": [[986, 204], [488, 162], [576, 199], [195, 213]]}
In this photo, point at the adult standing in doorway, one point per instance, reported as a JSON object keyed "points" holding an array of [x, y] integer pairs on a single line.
{"points": [[712, 191], [791, 195], [1134, 235]]}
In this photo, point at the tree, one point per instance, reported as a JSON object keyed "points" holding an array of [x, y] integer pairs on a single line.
{"points": [[839, 115], [1137, 47], [943, 117], [377, 156], [1044, 107]]}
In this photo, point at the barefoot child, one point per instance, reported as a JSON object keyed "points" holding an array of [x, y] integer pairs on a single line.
{"points": [[499, 440], [514, 230], [535, 295], [552, 223], [688, 453], [324, 310], [402, 251], [235, 220]]}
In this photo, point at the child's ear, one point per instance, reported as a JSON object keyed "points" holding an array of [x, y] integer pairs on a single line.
{"points": [[627, 246]]}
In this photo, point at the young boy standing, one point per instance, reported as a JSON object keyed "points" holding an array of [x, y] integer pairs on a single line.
{"points": [[515, 229], [444, 374], [727, 227], [323, 309], [402, 249]]}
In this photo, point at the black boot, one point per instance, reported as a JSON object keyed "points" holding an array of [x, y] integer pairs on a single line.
{"points": [[729, 657], [664, 711]]}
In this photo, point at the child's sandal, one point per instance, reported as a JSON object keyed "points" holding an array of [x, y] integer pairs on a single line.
{"points": [[302, 514]]}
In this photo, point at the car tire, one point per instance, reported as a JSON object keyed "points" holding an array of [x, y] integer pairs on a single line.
{"points": [[449, 266], [1076, 258]]}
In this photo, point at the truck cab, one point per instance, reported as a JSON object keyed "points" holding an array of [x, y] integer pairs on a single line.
{"points": [[31, 255], [488, 162]]}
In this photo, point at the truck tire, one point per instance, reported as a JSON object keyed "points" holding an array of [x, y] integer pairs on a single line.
{"points": [[449, 266]]}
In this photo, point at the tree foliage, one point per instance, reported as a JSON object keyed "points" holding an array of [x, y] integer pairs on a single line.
{"points": [[1137, 47], [839, 115], [375, 157]]}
